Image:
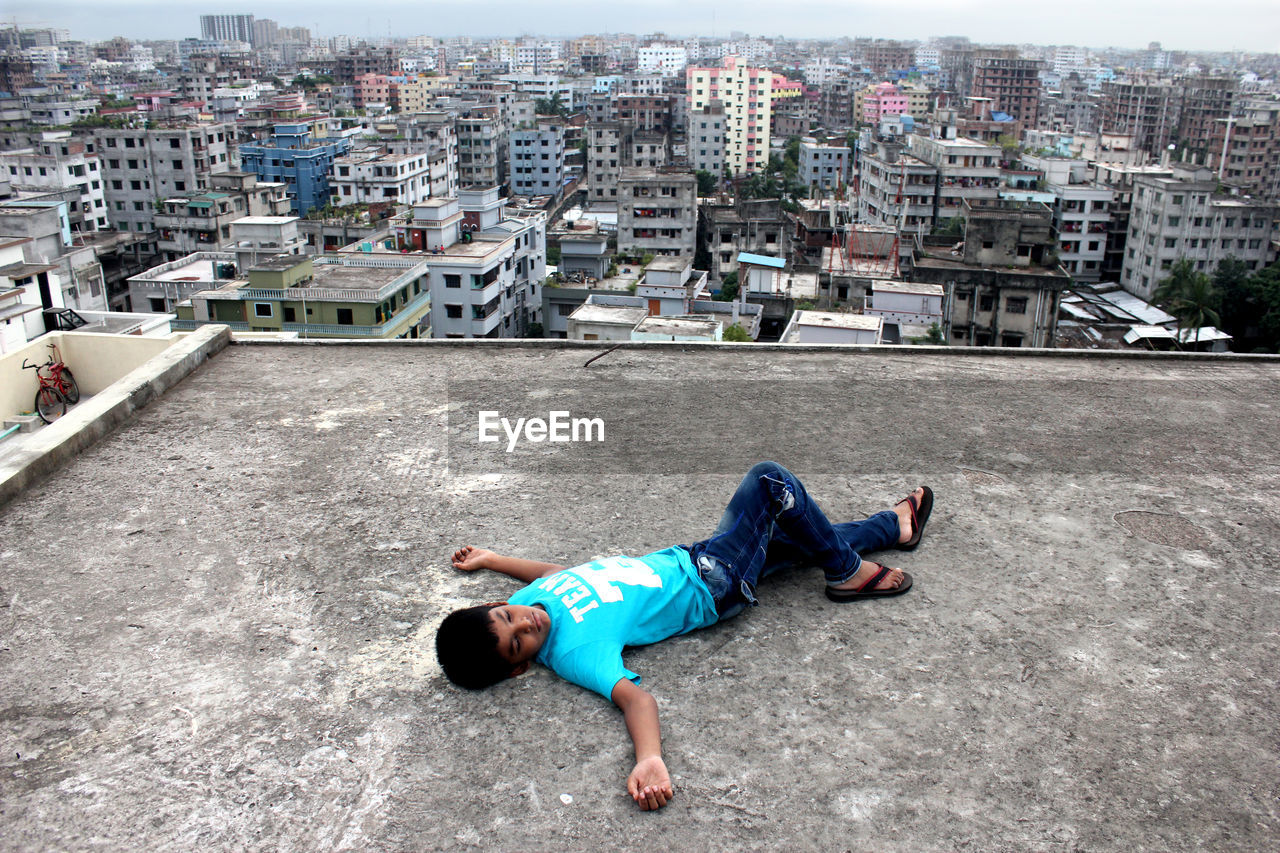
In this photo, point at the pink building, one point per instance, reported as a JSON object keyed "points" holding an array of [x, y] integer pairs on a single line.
{"points": [[886, 100]]}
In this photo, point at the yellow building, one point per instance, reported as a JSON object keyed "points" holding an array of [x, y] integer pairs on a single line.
{"points": [[747, 95], [418, 95]]}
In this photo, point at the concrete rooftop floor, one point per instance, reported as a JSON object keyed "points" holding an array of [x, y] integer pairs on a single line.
{"points": [[217, 624]]}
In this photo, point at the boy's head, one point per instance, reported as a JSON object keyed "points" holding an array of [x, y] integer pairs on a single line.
{"points": [[482, 645]]}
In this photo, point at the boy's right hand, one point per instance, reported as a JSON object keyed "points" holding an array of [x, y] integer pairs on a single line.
{"points": [[468, 559], [649, 785]]}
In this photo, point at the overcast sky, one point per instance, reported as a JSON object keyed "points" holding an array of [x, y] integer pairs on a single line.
{"points": [[1252, 25]]}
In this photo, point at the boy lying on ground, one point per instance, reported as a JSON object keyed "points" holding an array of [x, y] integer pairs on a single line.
{"points": [[578, 620]]}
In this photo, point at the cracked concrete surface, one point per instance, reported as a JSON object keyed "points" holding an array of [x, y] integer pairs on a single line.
{"points": [[216, 624]]}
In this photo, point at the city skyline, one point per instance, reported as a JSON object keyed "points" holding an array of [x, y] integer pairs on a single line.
{"points": [[1234, 25]]}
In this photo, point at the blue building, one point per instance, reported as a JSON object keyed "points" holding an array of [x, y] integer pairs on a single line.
{"points": [[292, 157]]}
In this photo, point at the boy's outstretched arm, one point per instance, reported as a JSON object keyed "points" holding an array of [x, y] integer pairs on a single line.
{"points": [[648, 784], [468, 559]]}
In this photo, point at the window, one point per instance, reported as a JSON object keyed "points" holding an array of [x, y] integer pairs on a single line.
{"points": [[290, 315], [454, 312], [452, 281], [988, 244], [262, 309], [344, 317], [157, 305], [1016, 305], [986, 302], [1009, 340]]}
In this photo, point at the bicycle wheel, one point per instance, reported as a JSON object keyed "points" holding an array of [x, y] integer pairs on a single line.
{"points": [[50, 404], [67, 385]]}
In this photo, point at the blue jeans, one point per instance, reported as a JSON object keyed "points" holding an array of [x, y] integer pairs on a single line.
{"points": [[771, 523]]}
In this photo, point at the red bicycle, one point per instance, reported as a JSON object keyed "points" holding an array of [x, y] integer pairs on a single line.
{"points": [[57, 387]]}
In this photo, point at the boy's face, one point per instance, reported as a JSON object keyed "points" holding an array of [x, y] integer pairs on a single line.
{"points": [[521, 632]]}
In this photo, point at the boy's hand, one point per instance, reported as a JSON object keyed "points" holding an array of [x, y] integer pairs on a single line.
{"points": [[649, 784], [468, 559]]}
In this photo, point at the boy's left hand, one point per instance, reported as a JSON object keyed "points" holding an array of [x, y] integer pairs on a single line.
{"points": [[649, 784]]}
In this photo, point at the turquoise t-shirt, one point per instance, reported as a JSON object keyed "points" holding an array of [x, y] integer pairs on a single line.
{"points": [[598, 608]]}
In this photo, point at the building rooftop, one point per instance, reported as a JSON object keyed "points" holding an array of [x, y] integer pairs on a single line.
{"points": [[860, 322], [677, 326], [908, 287], [229, 640], [589, 312]]}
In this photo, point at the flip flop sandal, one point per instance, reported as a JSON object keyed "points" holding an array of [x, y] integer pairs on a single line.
{"points": [[868, 590], [919, 517]]}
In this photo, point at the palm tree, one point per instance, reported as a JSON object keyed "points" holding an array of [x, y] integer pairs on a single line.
{"points": [[1189, 295]]}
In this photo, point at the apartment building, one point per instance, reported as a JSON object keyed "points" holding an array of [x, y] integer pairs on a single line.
{"points": [[1081, 221], [161, 288], [657, 212], [753, 226], [350, 66], [537, 158], [326, 296], [291, 156], [823, 165], [142, 165], [227, 28], [836, 104], [482, 146], [473, 258], [373, 176], [1119, 178], [747, 95], [615, 146], [433, 132], [1004, 290], [927, 183], [1205, 101], [201, 221], [1244, 151], [1185, 216], [706, 138], [57, 163], [1011, 82], [1147, 110], [666, 60], [255, 238]]}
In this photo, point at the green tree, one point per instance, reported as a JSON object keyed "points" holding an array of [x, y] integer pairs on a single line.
{"points": [[728, 288], [1189, 296], [791, 152], [952, 227], [552, 106], [736, 334], [1238, 305], [706, 183], [1265, 290], [935, 335]]}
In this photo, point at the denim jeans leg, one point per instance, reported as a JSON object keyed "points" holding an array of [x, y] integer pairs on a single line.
{"points": [[770, 500], [874, 533]]}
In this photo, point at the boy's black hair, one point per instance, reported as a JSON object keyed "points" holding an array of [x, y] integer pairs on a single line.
{"points": [[467, 648]]}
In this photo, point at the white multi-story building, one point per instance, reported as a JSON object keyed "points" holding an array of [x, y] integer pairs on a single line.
{"points": [[141, 165], [705, 136], [662, 59], [1184, 217], [1081, 217], [537, 159], [59, 162], [370, 177], [1068, 59], [928, 55], [825, 166]]}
